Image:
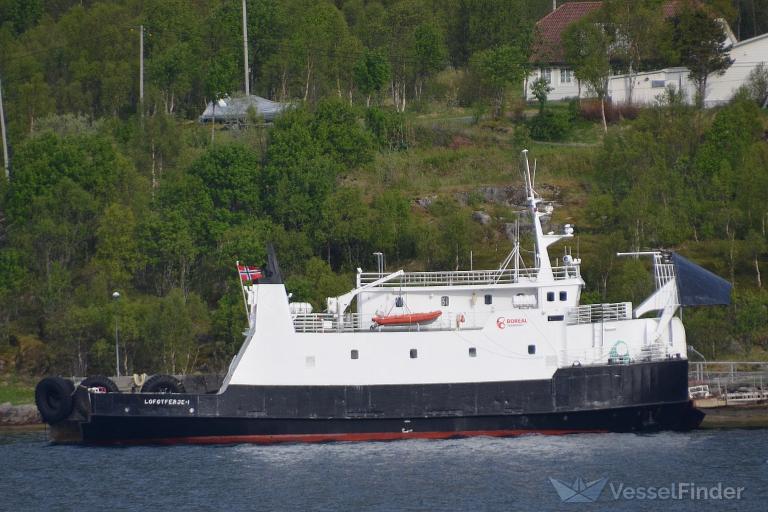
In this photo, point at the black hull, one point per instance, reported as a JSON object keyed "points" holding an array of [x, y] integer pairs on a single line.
{"points": [[614, 398]]}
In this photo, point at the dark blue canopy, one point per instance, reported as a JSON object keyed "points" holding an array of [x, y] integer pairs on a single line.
{"points": [[698, 286]]}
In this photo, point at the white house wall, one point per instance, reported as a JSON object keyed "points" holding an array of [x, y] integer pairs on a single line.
{"points": [[650, 85], [561, 89], [747, 55]]}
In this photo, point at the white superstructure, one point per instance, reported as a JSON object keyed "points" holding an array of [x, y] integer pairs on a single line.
{"points": [[505, 324]]}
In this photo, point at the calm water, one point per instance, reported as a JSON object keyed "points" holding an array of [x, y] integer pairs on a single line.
{"points": [[470, 474]]}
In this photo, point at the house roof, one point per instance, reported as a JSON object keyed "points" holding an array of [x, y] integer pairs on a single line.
{"points": [[547, 45], [236, 109]]}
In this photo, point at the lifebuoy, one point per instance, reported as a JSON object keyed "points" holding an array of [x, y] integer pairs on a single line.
{"points": [[53, 397]]}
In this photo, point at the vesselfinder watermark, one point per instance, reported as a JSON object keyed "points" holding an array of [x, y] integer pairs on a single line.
{"points": [[588, 491]]}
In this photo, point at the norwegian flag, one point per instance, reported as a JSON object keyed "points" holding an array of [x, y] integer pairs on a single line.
{"points": [[249, 273]]}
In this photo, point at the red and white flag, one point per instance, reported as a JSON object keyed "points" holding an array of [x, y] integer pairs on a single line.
{"points": [[248, 273]]}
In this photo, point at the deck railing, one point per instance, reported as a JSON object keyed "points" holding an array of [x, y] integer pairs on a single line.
{"points": [[327, 322], [592, 313], [466, 277]]}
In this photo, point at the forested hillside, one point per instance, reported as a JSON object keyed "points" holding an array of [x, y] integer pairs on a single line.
{"points": [[404, 138]]}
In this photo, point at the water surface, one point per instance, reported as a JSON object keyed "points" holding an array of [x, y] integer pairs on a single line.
{"points": [[468, 474]]}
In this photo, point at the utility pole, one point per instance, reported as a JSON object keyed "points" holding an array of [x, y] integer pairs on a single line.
{"points": [[554, 5], [245, 51], [141, 69], [6, 164], [116, 298]]}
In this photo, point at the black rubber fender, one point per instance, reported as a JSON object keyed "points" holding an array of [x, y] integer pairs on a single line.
{"points": [[100, 381], [53, 397], [163, 384]]}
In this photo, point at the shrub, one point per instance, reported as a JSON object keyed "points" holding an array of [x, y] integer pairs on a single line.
{"points": [[550, 125], [590, 110], [389, 127]]}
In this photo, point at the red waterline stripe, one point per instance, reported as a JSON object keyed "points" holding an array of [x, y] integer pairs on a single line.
{"points": [[323, 438]]}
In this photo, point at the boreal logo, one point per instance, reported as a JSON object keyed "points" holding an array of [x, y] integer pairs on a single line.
{"points": [[503, 322]]}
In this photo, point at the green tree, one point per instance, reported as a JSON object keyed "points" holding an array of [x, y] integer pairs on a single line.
{"points": [[336, 129], [588, 51], [640, 34], [219, 82], [701, 42], [541, 89], [371, 73], [430, 53], [230, 176], [497, 68]]}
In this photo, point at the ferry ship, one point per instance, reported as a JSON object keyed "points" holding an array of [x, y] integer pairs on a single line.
{"points": [[497, 352]]}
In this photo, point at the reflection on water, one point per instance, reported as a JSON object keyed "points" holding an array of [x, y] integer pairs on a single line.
{"points": [[467, 474]]}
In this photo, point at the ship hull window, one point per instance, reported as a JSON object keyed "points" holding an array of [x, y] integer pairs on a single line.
{"points": [[563, 296], [414, 353], [354, 354], [472, 352], [531, 349], [489, 299], [550, 296]]}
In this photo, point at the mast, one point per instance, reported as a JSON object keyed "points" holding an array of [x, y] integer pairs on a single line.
{"points": [[542, 242]]}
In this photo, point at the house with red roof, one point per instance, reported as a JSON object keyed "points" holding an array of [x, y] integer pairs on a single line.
{"points": [[548, 59]]}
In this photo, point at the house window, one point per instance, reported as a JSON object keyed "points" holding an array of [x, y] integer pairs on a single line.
{"points": [[444, 300], [531, 349], [489, 299], [546, 74], [550, 296], [566, 75], [414, 353], [563, 296], [472, 352], [354, 354]]}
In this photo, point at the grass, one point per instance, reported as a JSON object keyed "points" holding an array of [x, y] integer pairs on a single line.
{"points": [[16, 391]]}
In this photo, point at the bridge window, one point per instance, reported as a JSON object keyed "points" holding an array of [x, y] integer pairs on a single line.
{"points": [[489, 299], [550, 296], [354, 354], [444, 300], [531, 349], [414, 353], [472, 352], [563, 296]]}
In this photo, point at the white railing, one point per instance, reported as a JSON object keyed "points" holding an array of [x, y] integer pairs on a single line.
{"points": [[663, 273], [327, 322], [592, 313], [466, 277]]}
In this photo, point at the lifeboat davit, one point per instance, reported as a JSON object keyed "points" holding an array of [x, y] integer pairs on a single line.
{"points": [[407, 319]]}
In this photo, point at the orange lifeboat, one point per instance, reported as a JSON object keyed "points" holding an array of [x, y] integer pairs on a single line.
{"points": [[407, 319]]}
